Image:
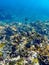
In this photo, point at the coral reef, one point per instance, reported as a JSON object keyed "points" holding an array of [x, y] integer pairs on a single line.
{"points": [[24, 43]]}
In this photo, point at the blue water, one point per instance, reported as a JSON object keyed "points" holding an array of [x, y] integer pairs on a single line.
{"points": [[18, 10]]}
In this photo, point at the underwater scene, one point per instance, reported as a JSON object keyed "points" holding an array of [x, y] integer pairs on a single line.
{"points": [[24, 32]]}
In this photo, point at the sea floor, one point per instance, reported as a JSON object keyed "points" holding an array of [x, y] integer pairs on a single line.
{"points": [[24, 43]]}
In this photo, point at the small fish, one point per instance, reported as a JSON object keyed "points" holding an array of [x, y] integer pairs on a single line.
{"points": [[26, 19]]}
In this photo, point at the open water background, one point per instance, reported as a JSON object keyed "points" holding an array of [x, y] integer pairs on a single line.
{"points": [[24, 10]]}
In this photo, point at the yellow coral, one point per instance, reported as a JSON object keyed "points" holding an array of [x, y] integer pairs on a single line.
{"points": [[1, 54], [2, 45]]}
